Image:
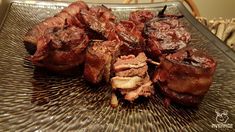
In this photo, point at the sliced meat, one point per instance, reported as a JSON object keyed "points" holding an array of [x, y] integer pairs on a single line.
{"points": [[131, 77], [130, 61], [132, 71], [145, 90], [125, 82]]}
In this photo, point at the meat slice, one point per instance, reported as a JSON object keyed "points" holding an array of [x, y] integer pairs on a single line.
{"points": [[125, 82], [69, 15], [132, 71], [188, 71], [131, 77], [146, 89], [60, 49], [99, 60], [130, 61]]}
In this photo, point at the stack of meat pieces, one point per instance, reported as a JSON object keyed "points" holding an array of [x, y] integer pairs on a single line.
{"points": [[131, 77], [92, 36]]}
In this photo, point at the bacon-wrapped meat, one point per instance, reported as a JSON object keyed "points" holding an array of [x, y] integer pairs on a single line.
{"points": [[99, 60], [69, 15], [101, 20], [140, 17], [103, 13], [60, 49], [131, 77], [185, 76], [133, 42], [165, 35]]}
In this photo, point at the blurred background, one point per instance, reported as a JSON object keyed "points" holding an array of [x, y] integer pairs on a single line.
{"points": [[216, 8], [207, 8]]}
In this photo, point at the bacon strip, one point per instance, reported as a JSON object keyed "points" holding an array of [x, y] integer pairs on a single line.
{"points": [[67, 15]]}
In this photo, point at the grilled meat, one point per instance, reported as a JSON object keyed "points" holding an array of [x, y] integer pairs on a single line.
{"points": [[99, 60], [131, 77], [100, 19], [183, 74], [187, 72], [165, 35], [140, 17], [60, 49], [69, 15], [133, 42]]}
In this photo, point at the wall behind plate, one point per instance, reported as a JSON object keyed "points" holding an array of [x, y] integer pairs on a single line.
{"points": [[208, 8], [216, 8]]}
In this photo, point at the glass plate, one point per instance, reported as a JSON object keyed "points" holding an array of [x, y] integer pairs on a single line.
{"points": [[34, 100]]}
